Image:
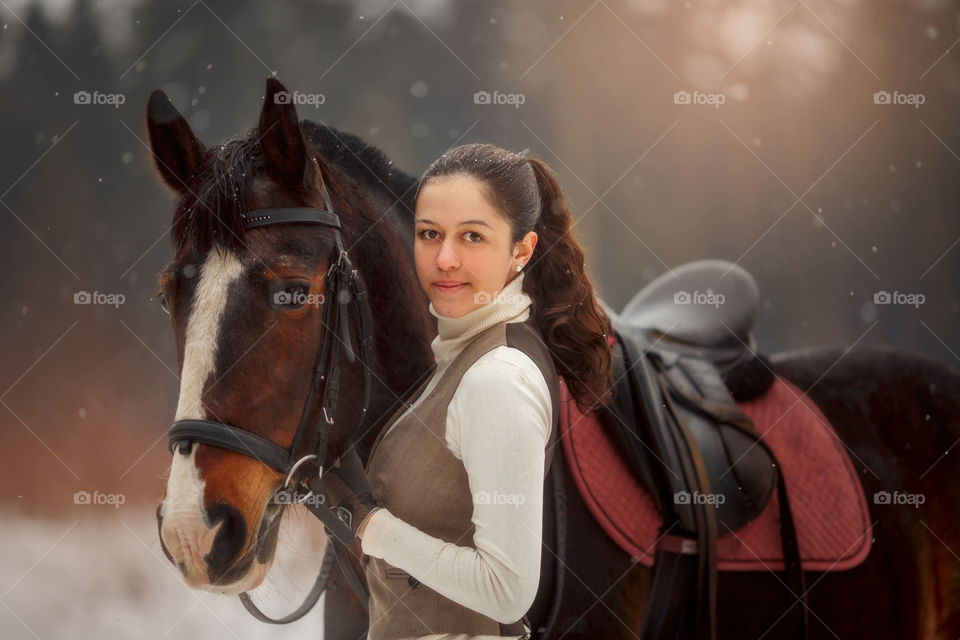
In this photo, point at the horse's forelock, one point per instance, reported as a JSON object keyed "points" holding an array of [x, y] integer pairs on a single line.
{"points": [[210, 212]]}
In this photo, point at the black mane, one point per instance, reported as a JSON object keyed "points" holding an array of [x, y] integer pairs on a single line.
{"points": [[363, 162], [210, 211]]}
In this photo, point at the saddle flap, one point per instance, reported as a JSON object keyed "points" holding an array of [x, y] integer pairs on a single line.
{"points": [[696, 447]]}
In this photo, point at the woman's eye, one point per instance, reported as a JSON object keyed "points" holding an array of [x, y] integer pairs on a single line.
{"points": [[429, 234], [290, 295], [473, 236]]}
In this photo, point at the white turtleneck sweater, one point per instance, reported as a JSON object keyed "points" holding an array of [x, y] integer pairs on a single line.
{"points": [[498, 424]]}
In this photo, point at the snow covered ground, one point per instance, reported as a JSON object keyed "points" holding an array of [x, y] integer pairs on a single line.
{"points": [[104, 575]]}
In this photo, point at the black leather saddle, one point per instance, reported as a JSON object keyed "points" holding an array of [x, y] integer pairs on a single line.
{"points": [[682, 344]]}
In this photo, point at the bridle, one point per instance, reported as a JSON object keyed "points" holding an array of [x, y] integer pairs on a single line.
{"points": [[345, 303]]}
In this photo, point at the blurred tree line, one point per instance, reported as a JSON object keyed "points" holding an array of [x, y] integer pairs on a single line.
{"points": [[85, 213]]}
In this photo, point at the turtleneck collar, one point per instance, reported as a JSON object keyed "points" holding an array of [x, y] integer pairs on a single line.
{"points": [[512, 304]]}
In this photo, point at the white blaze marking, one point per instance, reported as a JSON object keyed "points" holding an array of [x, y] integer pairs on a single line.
{"points": [[185, 533], [219, 271]]}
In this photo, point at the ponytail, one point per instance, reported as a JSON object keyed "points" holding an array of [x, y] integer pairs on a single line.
{"points": [[573, 324]]}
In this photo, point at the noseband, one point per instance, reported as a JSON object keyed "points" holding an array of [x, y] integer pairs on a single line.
{"points": [[345, 302]]}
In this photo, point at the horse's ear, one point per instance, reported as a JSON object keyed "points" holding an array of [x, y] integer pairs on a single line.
{"points": [[176, 151], [282, 142]]}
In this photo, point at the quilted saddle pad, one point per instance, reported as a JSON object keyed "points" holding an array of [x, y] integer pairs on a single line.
{"points": [[827, 499]]}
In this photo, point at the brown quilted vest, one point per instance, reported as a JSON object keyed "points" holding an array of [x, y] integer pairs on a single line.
{"points": [[421, 482]]}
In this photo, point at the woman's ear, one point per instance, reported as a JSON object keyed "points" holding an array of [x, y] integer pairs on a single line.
{"points": [[524, 248]]}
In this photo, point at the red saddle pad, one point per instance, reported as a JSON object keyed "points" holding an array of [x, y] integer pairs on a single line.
{"points": [[827, 499]]}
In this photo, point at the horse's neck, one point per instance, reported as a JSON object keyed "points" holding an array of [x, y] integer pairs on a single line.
{"points": [[401, 325]]}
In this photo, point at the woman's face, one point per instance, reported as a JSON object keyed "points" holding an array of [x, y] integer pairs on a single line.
{"points": [[463, 247]]}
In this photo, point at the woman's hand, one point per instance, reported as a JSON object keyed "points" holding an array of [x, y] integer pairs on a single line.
{"points": [[349, 492]]}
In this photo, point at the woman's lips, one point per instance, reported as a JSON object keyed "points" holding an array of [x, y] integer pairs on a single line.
{"points": [[448, 286]]}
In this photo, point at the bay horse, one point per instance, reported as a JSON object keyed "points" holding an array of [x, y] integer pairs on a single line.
{"points": [[245, 306]]}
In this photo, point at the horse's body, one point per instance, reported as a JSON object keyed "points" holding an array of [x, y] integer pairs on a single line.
{"points": [[897, 412]]}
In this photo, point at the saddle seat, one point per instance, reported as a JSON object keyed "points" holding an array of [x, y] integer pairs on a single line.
{"points": [[707, 307]]}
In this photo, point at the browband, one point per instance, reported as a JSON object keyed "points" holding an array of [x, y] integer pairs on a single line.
{"points": [[264, 217]]}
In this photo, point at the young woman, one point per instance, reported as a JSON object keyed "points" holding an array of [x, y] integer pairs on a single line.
{"points": [[452, 549]]}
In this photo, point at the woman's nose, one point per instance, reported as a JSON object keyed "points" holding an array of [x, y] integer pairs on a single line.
{"points": [[447, 258]]}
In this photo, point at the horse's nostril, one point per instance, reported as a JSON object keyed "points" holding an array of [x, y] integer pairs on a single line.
{"points": [[184, 447], [222, 565]]}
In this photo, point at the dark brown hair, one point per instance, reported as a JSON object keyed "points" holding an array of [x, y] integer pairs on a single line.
{"points": [[566, 311]]}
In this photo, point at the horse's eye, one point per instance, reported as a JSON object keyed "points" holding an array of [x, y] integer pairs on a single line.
{"points": [[164, 304], [290, 295]]}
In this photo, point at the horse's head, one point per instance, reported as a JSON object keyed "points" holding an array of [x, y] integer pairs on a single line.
{"points": [[247, 308]]}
